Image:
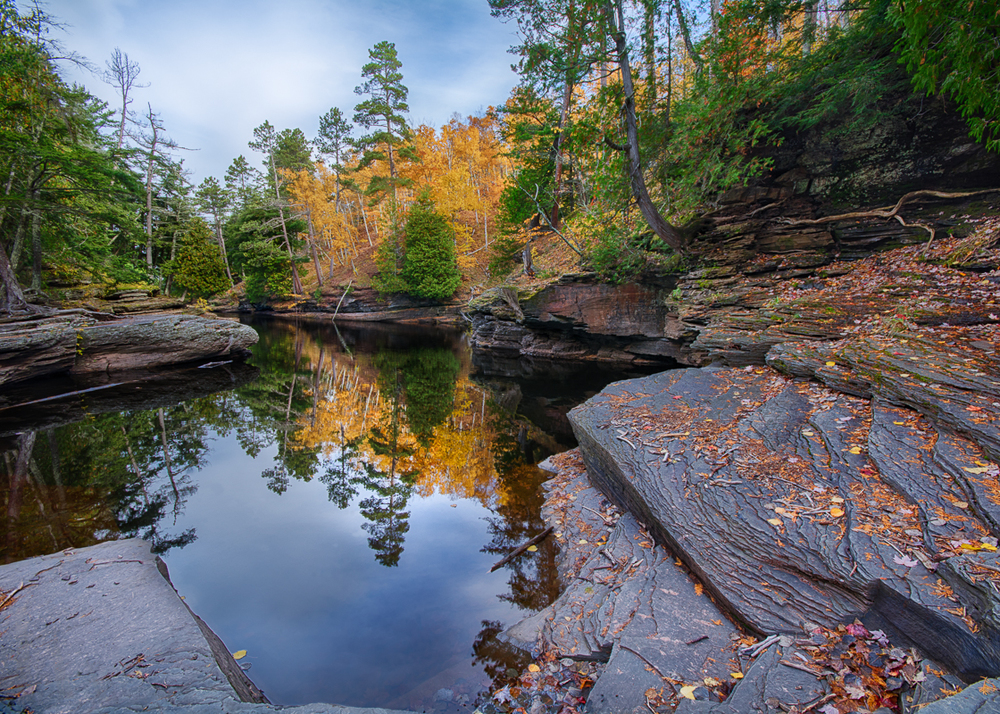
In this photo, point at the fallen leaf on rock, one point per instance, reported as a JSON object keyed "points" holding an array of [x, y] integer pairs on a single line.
{"points": [[976, 470], [831, 364], [775, 521], [534, 668], [837, 499], [532, 548], [736, 675], [712, 682], [687, 691], [836, 512], [239, 654], [961, 504], [854, 450]]}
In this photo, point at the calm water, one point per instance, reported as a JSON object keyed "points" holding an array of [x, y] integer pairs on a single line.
{"points": [[333, 509]]}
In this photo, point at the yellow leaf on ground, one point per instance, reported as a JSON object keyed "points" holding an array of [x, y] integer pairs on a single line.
{"points": [[899, 423], [582, 541], [687, 691], [239, 654], [736, 675], [837, 499], [534, 668], [961, 504], [831, 364], [712, 682], [775, 521], [807, 433], [854, 450], [532, 548], [975, 471], [836, 512]]}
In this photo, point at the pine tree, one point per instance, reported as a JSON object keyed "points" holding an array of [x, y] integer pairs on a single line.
{"points": [[383, 113], [198, 267], [429, 267]]}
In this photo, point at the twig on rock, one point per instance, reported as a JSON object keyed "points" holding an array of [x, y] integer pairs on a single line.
{"points": [[14, 592]]}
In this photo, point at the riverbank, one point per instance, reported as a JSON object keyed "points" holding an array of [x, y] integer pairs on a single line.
{"points": [[101, 629], [829, 507]]}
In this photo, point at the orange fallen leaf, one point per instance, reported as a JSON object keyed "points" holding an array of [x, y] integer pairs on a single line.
{"points": [[836, 512]]}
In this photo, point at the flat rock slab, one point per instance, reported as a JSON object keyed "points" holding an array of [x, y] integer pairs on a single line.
{"points": [[101, 629], [625, 600], [79, 344], [798, 506]]}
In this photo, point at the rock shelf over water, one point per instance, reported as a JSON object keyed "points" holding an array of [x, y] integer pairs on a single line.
{"points": [[77, 342], [101, 630], [799, 507]]}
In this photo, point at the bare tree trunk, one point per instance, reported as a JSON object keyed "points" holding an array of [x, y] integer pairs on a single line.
{"points": [[666, 232], [222, 247], [686, 34], [149, 189], [36, 244], [312, 247], [11, 297], [649, 13]]}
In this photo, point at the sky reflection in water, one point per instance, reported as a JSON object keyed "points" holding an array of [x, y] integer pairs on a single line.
{"points": [[336, 517]]}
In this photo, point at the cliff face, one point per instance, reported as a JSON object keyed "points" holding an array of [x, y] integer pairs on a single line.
{"points": [[760, 239]]}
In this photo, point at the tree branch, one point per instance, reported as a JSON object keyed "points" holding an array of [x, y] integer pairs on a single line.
{"points": [[541, 212]]}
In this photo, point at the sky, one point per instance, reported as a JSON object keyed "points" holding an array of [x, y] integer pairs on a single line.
{"points": [[215, 69]]}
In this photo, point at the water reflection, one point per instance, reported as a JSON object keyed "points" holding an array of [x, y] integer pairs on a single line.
{"points": [[390, 428]]}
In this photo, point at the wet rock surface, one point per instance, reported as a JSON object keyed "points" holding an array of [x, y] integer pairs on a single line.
{"points": [[81, 343], [101, 629]]}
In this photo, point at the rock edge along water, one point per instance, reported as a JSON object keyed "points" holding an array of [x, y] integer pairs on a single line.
{"points": [[798, 506], [80, 344], [102, 630]]}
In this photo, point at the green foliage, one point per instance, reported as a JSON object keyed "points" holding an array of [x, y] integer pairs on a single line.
{"points": [[268, 271], [383, 112], [388, 257], [528, 128], [504, 253], [429, 376], [429, 266], [388, 279], [950, 47], [198, 267], [292, 151]]}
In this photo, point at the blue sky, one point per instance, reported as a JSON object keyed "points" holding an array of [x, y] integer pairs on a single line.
{"points": [[218, 68]]}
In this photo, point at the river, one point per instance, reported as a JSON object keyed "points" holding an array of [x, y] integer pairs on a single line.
{"points": [[333, 509]]}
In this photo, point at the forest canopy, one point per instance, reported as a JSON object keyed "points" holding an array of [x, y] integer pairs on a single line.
{"points": [[629, 117]]}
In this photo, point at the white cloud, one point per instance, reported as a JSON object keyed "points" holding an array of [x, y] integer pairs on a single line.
{"points": [[218, 68]]}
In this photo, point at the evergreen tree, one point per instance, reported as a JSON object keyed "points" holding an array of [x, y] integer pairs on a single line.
{"points": [[198, 267], [383, 113], [429, 266], [334, 140]]}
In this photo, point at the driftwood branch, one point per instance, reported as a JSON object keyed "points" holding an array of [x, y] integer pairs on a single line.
{"points": [[886, 212], [521, 548], [340, 302]]}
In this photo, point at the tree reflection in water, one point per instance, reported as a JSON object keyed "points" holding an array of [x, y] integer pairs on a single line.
{"points": [[377, 416]]}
